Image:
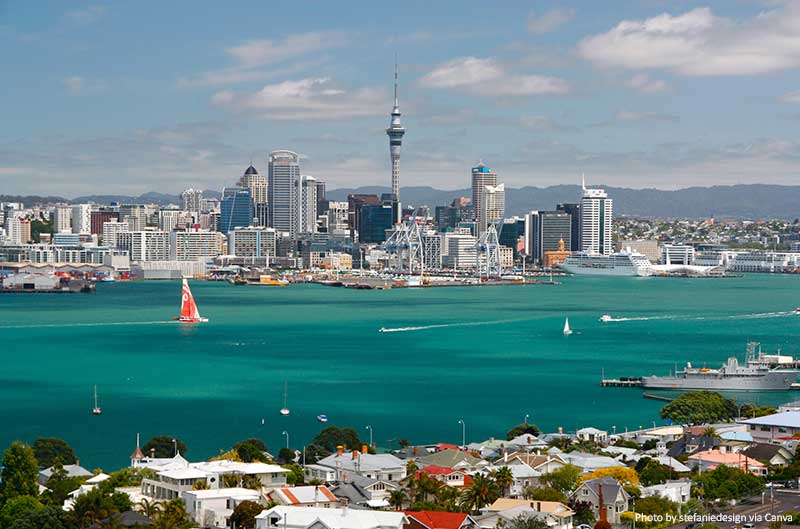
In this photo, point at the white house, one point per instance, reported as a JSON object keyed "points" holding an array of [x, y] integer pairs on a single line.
{"points": [[212, 508], [305, 496], [285, 517], [773, 428], [592, 435], [379, 466], [678, 491]]}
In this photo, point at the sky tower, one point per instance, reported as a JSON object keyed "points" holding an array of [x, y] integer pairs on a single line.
{"points": [[395, 133]]}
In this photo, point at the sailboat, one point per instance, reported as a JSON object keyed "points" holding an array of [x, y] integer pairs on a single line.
{"points": [[284, 410], [567, 330], [96, 410], [189, 312]]}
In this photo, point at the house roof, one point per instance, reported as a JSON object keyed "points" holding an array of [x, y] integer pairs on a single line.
{"points": [[726, 458], [344, 518], [433, 470], [611, 488], [551, 507], [590, 462], [764, 452], [438, 520], [238, 493], [451, 459], [305, 494], [786, 419], [73, 471], [590, 431], [128, 519], [363, 462], [526, 439], [737, 436], [534, 460]]}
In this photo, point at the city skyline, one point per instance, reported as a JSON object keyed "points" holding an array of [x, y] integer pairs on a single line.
{"points": [[651, 95]]}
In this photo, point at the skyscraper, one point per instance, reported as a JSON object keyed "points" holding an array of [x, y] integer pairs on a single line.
{"points": [[306, 209], [493, 206], [283, 175], [191, 201], [257, 184], [236, 210], [82, 218], [482, 176], [544, 230], [596, 219], [395, 133], [574, 211]]}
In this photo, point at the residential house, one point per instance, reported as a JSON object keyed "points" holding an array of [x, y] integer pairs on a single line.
{"points": [[212, 508], [319, 472], [287, 517], [689, 444], [615, 498], [542, 463], [677, 491], [774, 428], [589, 462], [592, 435], [305, 496], [72, 471], [711, 459], [555, 514], [438, 520], [359, 491], [769, 454], [527, 442], [385, 467], [448, 476], [523, 477], [450, 458]]}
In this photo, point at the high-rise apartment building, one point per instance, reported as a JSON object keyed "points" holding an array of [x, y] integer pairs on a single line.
{"points": [[306, 209], [493, 206], [82, 218], [62, 218], [191, 199], [596, 220], [283, 175], [194, 245], [482, 176], [574, 210]]}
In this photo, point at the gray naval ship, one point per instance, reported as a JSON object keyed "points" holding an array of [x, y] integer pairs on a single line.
{"points": [[760, 372]]}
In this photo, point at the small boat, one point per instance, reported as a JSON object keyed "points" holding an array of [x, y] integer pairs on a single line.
{"points": [[285, 410], [322, 418], [96, 410], [382, 329], [797, 310], [605, 318], [189, 312], [567, 330]]}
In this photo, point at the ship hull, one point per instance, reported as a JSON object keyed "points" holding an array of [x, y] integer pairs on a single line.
{"points": [[618, 271], [774, 381]]}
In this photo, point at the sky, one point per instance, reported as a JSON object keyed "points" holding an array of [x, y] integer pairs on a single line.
{"points": [[130, 97]]}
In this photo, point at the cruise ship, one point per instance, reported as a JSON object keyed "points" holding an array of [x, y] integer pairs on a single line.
{"points": [[625, 263], [761, 372]]}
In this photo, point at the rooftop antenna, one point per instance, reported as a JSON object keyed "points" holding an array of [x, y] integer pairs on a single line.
{"points": [[396, 104], [583, 181]]}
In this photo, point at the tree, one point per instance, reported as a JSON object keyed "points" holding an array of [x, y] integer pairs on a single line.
{"points": [[19, 473], [286, 455], [251, 450], [752, 411], [98, 504], [526, 522], [504, 479], [149, 508], [523, 428], [45, 518], [700, 407], [164, 446], [48, 449], [584, 512], [727, 483], [563, 479], [653, 472], [173, 516], [18, 507], [244, 515], [398, 498], [295, 476], [544, 494], [314, 453], [331, 437], [60, 484], [624, 475], [655, 505], [481, 492]]}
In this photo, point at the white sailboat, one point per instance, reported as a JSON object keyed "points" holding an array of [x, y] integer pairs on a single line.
{"points": [[285, 410], [96, 410], [567, 330]]}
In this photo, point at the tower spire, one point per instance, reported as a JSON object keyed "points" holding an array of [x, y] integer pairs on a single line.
{"points": [[396, 103]]}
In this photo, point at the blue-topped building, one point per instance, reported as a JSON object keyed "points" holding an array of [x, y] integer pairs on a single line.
{"points": [[236, 209]]}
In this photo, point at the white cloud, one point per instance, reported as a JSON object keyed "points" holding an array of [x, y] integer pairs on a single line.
{"points": [[77, 85], [624, 115], [700, 43], [86, 15], [791, 97], [549, 20], [487, 77], [643, 83], [305, 99]]}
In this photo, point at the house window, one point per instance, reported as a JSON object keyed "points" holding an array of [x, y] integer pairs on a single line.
{"points": [[585, 492], [765, 428], [782, 430]]}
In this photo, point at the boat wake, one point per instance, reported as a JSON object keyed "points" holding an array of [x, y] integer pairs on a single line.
{"points": [[445, 325], [638, 318], [95, 324], [753, 316]]}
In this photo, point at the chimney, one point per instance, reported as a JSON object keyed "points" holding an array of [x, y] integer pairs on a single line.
{"points": [[505, 457], [560, 430], [355, 454], [364, 449], [339, 450], [416, 451]]}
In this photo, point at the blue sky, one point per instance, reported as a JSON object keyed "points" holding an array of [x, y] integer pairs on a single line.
{"points": [[139, 96]]}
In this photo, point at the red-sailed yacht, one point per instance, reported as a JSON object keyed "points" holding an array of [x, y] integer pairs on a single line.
{"points": [[189, 312]]}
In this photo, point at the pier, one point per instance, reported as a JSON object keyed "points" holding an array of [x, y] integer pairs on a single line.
{"points": [[657, 397], [624, 382]]}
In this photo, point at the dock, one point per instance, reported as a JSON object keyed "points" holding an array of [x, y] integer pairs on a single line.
{"points": [[624, 382], [657, 397]]}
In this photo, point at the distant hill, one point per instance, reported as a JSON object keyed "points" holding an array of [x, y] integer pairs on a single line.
{"points": [[757, 201]]}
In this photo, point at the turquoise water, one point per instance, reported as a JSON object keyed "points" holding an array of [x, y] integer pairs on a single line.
{"points": [[504, 356]]}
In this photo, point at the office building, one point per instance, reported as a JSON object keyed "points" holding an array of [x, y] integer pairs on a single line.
{"points": [[677, 254], [82, 218], [62, 219], [99, 217], [544, 230], [135, 215], [111, 229], [493, 206], [284, 173], [432, 250], [374, 221], [170, 219], [194, 245], [511, 232], [482, 176], [236, 209], [255, 243], [256, 183], [337, 216], [459, 251], [306, 208], [574, 211], [322, 202], [596, 220], [192, 199], [354, 204], [144, 245]]}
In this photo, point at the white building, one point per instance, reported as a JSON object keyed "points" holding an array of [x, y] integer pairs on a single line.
{"points": [[256, 183], [286, 517], [62, 219], [721, 258], [337, 216], [18, 228], [678, 491], [145, 245], [432, 250], [677, 254], [773, 428], [379, 466], [306, 208], [191, 200], [460, 252], [170, 219], [111, 229], [284, 173], [194, 245], [82, 218], [482, 176], [305, 496], [212, 508], [493, 206], [765, 261], [596, 220]]}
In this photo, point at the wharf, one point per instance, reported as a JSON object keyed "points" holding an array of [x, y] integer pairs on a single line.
{"points": [[624, 382]]}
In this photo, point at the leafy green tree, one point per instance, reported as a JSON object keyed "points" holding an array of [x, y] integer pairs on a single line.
{"points": [[173, 516], [38, 227], [655, 505], [48, 449], [244, 515], [46, 518], [19, 473], [164, 446], [752, 411], [563, 479], [60, 484], [331, 437], [286, 455], [251, 450], [584, 513], [98, 504], [727, 483], [295, 476], [522, 429], [130, 477], [18, 507], [481, 492], [314, 453], [544, 494], [526, 522], [653, 472], [504, 479], [700, 407]]}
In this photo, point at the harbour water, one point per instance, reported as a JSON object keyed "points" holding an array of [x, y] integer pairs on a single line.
{"points": [[487, 355]]}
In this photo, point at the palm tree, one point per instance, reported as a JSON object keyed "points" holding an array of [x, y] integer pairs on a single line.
{"points": [[710, 432], [447, 497], [504, 479], [398, 498], [481, 492], [428, 486], [149, 508]]}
